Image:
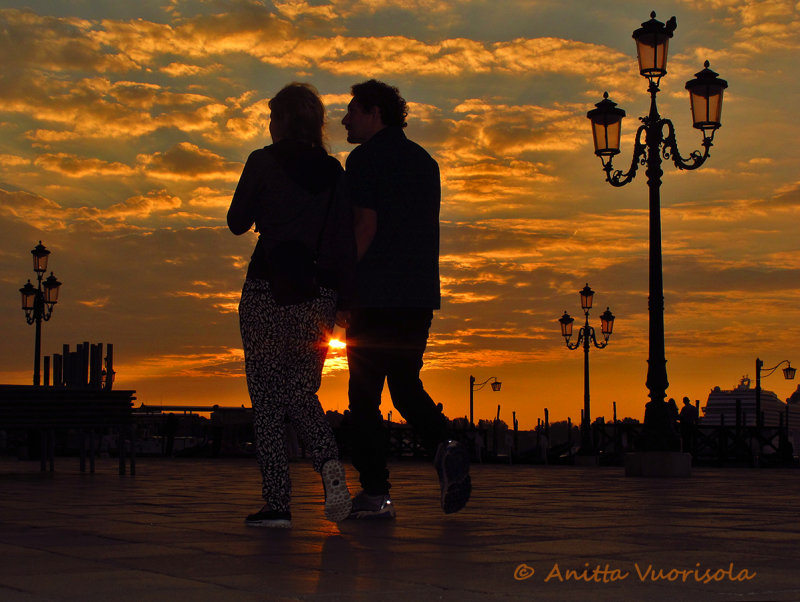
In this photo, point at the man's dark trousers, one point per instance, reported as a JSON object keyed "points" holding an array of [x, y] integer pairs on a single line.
{"points": [[388, 344]]}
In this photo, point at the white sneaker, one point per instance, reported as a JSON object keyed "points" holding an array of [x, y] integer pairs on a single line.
{"points": [[372, 506], [452, 464], [337, 496]]}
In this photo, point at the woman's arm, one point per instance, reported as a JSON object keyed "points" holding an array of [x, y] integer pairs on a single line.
{"points": [[242, 212]]}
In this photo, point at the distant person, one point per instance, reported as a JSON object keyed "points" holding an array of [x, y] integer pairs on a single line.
{"points": [[658, 432], [396, 192], [674, 414], [688, 418], [293, 191]]}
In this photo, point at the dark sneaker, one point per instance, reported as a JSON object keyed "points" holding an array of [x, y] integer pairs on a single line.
{"points": [[372, 506], [269, 518], [452, 464], [337, 497]]}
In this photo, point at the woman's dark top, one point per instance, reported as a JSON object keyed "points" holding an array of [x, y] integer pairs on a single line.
{"points": [[285, 189]]}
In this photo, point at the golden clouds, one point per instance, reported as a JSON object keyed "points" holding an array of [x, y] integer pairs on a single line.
{"points": [[123, 139], [187, 161], [184, 161], [247, 29], [97, 108], [487, 150], [76, 167], [455, 57], [223, 301], [292, 9], [27, 206], [44, 42], [142, 206], [200, 363], [512, 130], [762, 26], [13, 161], [250, 30]]}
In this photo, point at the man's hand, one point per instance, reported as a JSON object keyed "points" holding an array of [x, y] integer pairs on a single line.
{"points": [[343, 318]]}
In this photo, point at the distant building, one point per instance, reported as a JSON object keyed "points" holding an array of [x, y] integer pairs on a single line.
{"points": [[723, 403]]}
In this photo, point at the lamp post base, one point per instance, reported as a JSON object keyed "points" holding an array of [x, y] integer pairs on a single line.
{"points": [[658, 464]]}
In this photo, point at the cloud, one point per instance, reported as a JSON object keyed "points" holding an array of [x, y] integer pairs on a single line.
{"points": [[45, 42], [25, 206], [97, 303], [76, 167], [787, 196], [32, 208], [223, 301], [201, 363], [187, 161], [13, 161], [183, 70], [292, 9], [123, 140], [251, 30], [141, 206], [97, 108], [761, 26]]}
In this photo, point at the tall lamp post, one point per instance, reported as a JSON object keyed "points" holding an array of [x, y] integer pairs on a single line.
{"points": [[473, 387], [788, 374], [705, 94], [38, 302], [586, 337]]}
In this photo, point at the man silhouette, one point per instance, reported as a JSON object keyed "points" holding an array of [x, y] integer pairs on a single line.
{"points": [[688, 417], [396, 193]]}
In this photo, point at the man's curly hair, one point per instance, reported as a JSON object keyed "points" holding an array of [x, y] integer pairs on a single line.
{"points": [[387, 98]]}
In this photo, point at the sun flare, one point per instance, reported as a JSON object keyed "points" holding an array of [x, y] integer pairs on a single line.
{"points": [[336, 344]]}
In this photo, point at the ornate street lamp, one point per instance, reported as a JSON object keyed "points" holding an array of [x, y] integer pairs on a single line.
{"points": [[586, 336], [38, 302], [495, 384], [788, 374], [655, 139]]}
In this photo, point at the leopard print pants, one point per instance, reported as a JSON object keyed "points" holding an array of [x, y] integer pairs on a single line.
{"points": [[284, 352]]}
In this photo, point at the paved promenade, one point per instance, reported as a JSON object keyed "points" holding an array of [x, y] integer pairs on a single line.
{"points": [[174, 532]]}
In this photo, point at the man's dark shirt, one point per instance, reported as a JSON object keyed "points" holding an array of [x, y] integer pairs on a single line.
{"points": [[399, 180]]}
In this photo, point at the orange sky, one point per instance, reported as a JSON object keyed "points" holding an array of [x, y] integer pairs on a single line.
{"points": [[123, 131]]}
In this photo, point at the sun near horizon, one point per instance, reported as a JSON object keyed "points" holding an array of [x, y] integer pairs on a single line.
{"points": [[335, 343]]}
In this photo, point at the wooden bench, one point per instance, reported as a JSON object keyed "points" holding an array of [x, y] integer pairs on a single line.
{"points": [[88, 411]]}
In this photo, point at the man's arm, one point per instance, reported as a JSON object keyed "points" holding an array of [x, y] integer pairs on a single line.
{"points": [[366, 224]]}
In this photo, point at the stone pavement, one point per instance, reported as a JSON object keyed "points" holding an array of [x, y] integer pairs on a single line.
{"points": [[175, 532]]}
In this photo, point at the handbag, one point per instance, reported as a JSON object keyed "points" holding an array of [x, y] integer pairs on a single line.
{"points": [[292, 273], [292, 267]]}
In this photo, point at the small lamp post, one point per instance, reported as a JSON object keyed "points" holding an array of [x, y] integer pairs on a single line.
{"points": [[788, 374], [495, 384], [38, 302], [655, 139], [586, 337]]}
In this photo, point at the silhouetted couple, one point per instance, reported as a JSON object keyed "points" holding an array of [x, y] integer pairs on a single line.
{"points": [[360, 248]]}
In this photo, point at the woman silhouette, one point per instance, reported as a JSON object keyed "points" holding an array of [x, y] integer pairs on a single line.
{"points": [[292, 190]]}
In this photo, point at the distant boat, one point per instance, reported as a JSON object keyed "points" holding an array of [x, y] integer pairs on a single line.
{"points": [[723, 403]]}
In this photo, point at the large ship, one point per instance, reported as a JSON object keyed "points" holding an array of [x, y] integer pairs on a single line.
{"points": [[721, 405]]}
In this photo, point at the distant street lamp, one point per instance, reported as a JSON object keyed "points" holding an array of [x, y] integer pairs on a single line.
{"points": [[705, 95], [586, 335], [495, 384], [38, 302], [788, 374]]}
